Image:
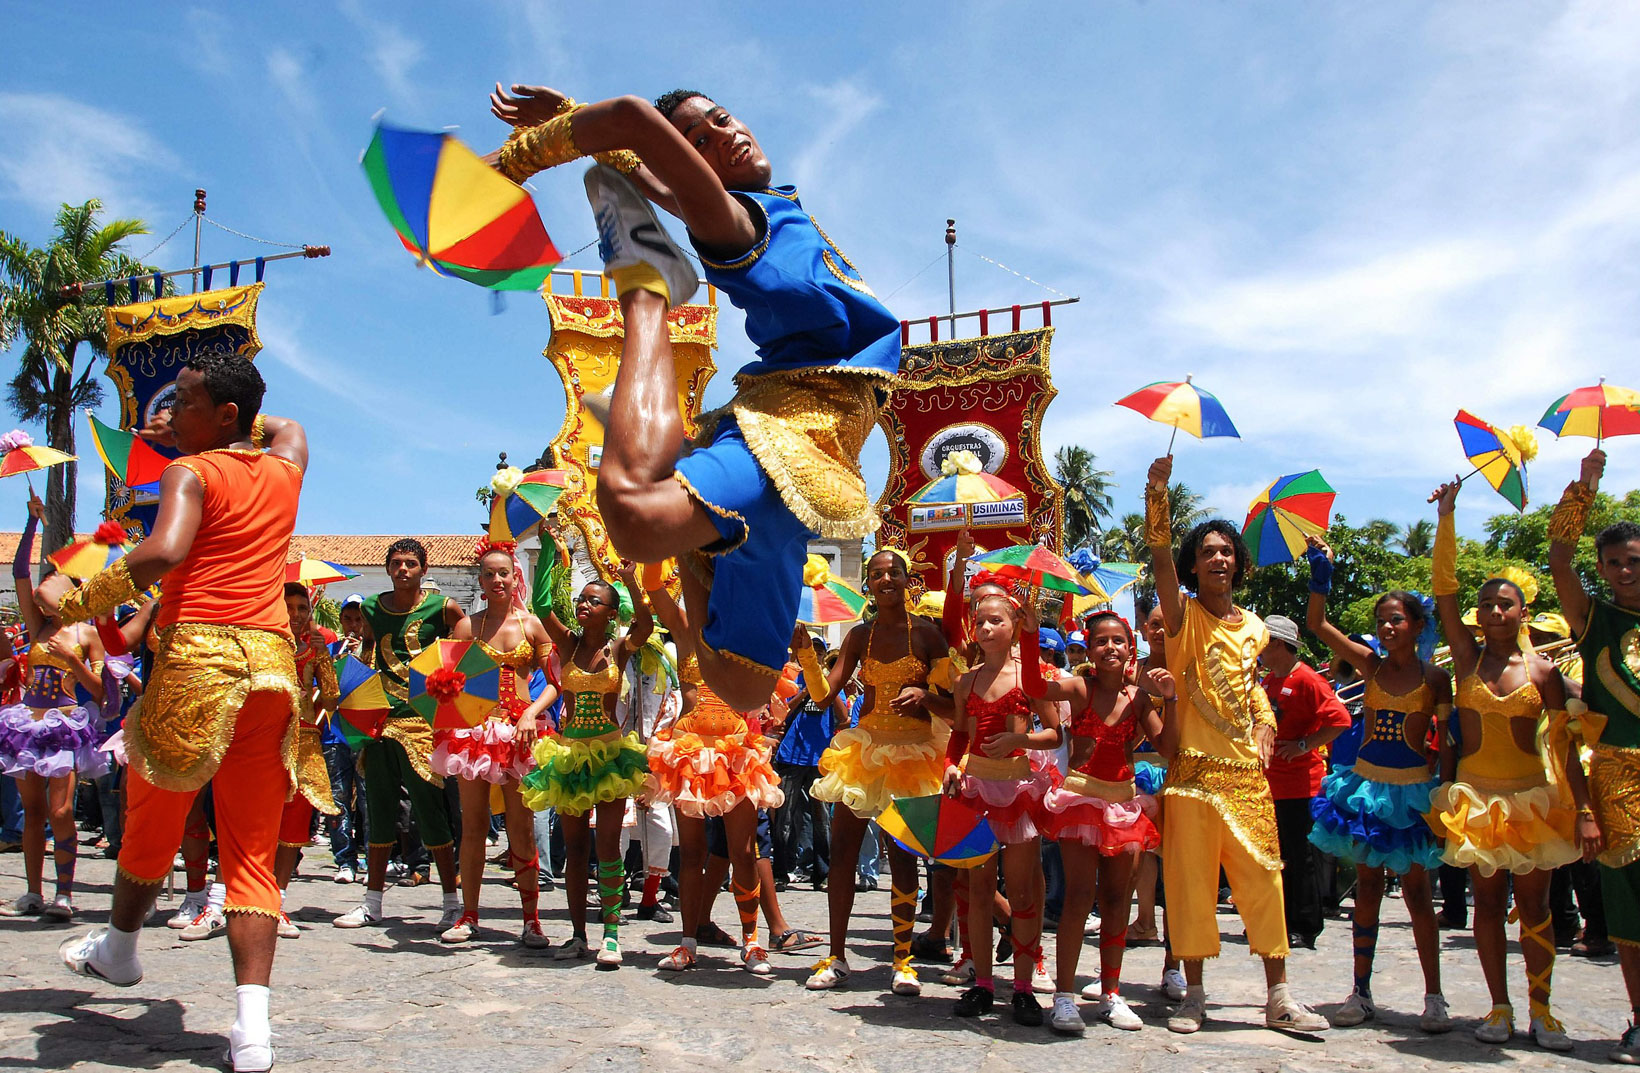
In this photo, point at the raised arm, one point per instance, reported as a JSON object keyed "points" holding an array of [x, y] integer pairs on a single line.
{"points": [[1565, 529], [643, 621], [285, 438], [953, 617], [1159, 539], [1444, 578], [1320, 557], [23, 563]]}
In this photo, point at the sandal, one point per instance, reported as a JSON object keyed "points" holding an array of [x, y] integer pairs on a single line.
{"points": [[788, 942], [709, 934], [1142, 935]]}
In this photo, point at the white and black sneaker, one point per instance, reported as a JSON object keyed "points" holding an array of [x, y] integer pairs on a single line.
{"points": [[629, 233]]}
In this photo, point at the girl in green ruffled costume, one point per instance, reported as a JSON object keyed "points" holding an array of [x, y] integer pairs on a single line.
{"points": [[590, 767]]}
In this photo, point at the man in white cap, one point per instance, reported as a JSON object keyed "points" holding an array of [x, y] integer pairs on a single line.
{"points": [[1309, 716]]}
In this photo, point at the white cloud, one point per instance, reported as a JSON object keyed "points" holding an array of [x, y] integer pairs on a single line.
{"points": [[392, 53], [60, 150], [845, 105]]}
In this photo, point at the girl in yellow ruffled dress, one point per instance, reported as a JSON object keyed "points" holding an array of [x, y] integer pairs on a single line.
{"points": [[897, 750], [1513, 799], [710, 763], [590, 764]]}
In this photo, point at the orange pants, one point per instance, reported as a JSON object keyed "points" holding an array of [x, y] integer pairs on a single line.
{"points": [[296, 822], [249, 789]]}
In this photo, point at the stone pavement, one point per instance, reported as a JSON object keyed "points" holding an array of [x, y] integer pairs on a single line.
{"points": [[391, 997]]}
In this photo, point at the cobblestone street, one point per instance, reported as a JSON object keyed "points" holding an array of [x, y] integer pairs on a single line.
{"points": [[392, 997]]}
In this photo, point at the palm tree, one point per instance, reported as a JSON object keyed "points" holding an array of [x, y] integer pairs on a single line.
{"points": [[47, 388], [1088, 502], [1418, 539], [1381, 531], [1187, 509], [1123, 541]]}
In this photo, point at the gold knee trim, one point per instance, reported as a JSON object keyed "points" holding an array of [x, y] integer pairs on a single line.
{"points": [[132, 877], [256, 910]]}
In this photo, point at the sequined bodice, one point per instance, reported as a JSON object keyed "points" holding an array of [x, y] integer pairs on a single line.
{"points": [[51, 677], [1496, 758], [1109, 759], [886, 681], [1384, 742], [585, 691], [579, 681], [991, 717]]}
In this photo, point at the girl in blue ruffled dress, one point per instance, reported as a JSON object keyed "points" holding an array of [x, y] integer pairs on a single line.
{"points": [[1370, 812]]}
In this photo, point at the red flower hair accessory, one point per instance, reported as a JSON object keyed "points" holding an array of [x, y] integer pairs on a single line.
{"points": [[485, 545]]}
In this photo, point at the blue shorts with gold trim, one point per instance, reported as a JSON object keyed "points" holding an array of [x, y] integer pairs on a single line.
{"points": [[759, 560]]}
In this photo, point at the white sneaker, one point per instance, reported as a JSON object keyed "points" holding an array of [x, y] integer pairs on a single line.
{"points": [[1065, 1018], [1498, 1026], [459, 932], [609, 953], [1174, 985], [533, 937], [1550, 1034], [1189, 1017], [83, 957], [905, 980], [1291, 1015], [248, 1056], [1094, 991], [185, 914], [1436, 1017], [959, 975], [209, 921], [346, 874], [26, 905], [287, 930], [61, 909], [1115, 1012], [678, 960], [1041, 982], [570, 949], [1355, 1010], [629, 233], [1627, 1052], [755, 960], [357, 917], [829, 972]]}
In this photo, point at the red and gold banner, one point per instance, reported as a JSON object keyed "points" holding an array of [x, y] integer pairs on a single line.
{"points": [[587, 335], [985, 395]]}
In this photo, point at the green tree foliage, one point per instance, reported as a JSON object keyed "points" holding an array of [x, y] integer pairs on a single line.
{"points": [[52, 381], [1088, 502]]}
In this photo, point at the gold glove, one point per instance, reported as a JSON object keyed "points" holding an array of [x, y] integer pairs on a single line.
{"points": [[814, 676], [106, 590], [532, 149], [1571, 514], [1158, 518], [1444, 559]]}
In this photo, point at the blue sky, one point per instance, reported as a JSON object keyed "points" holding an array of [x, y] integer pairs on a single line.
{"points": [[1345, 220]]}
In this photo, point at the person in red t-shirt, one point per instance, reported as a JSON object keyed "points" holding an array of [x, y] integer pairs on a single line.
{"points": [[1309, 715]]}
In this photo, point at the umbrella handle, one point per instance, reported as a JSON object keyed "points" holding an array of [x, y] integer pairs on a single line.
{"points": [[1170, 439]]}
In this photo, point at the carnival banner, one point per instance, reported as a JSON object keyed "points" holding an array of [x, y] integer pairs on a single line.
{"points": [[985, 397], [585, 348], [148, 343]]}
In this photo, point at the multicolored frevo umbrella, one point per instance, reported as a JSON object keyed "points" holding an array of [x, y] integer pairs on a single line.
{"points": [[459, 216], [83, 558], [1034, 565], [363, 707], [827, 598], [521, 500], [454, 684], [312, 572], [1284, 515], [22, 456], [128, 456], [1498, 455], [1598, 412], [964, 480], [944, 829], [1182, 405]]}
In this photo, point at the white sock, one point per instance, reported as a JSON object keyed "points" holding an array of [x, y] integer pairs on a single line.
{"points": [[251, 1024], [283, 891], [217, 896], [1278, 994], [1195, 991], [691, 945], [119, 947], [452, 900], [373, 902]]}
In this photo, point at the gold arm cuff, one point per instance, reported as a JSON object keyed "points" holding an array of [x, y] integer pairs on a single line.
{"points": [[99, 596], [1444, 558], [814, 676], [259, 432], [1571, 514], [1158, 518], [529, 150]]}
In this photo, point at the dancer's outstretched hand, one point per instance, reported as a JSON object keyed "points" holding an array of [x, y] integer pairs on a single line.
{"points": [[526, 106], [1446, 496], [1594, 467]]}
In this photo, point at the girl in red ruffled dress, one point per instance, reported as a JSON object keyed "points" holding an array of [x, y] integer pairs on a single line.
{"points": [[987, 766], [1100, 819]]}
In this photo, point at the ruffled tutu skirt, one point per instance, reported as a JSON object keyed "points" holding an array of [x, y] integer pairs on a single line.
{"points": [[1013, 806], [60, 741], [1377, 824], [710, 774], [865, 775], [1518, 832], [1091, 812], [573, 774], [489, 752]]}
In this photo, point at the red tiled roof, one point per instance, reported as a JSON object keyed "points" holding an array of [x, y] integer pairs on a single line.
{"points": [[443, 549]]}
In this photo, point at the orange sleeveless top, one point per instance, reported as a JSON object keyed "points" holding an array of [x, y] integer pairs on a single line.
{"points": [[234, 574]]}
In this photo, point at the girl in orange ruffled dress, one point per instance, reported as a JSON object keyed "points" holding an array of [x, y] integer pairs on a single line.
{"points": [[987, 767], [710, 762], [498, 752]]}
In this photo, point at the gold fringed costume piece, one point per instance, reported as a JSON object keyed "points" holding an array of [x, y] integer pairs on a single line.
{"points": [[1571, 514], [312, 773], [1158, 518], [416, 735], [105, 591], [1614, 785], [806, 431], [1238, 791], [529, 150], [202, 674]]}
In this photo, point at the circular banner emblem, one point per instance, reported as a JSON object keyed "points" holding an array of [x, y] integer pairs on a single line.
{"points": [[988, 446]]}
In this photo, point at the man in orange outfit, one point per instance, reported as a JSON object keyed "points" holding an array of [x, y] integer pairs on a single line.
{"points": [[223, 694]]}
